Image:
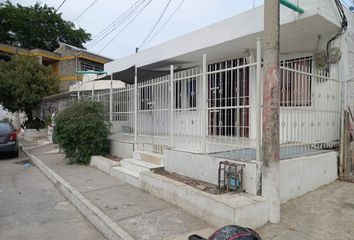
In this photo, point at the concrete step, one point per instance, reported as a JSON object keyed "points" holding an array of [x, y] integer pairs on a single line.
{"points": [[138, 165], [151, 157], [125, 175]]}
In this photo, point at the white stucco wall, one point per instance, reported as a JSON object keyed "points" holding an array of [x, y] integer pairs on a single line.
{"points": [[121, 149], [297, 175], [3, 113], [301, 175], [205, 168]]}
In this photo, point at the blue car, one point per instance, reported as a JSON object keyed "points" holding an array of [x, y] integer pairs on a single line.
{"points": [[8, 139]]}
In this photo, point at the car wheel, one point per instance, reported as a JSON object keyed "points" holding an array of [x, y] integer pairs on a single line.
{"points": [[15, 154]]}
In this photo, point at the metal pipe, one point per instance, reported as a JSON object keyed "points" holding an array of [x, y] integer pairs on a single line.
{"points": [[111, 99], [259, 117], [93, 90], [171, 104], [292, 6], [204, 104], [136, 105]]}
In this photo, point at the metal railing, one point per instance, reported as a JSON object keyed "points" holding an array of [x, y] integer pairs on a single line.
{"points": [[213, 108], [310, 107]]}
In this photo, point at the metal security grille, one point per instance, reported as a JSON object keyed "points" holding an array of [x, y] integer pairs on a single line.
{"points": [[213, 108], [187, 110], [228, 98], [296, 87], [310, 106], [153, 111], [123, 113]]}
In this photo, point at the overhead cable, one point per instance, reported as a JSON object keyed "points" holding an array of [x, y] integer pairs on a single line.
{"points": [[154, 27], [116, 23], [165, 23], [83, 12], [136, 15]]}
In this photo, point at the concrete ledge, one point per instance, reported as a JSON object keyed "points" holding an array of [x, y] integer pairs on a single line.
{"points": [[205, 167], [218, 210], [304, 174], [33, 134], [102, 163], [121, 149], [101, 221], [126, 175]]}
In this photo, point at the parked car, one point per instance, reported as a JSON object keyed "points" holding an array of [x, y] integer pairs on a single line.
{"points": [[8, 139]]}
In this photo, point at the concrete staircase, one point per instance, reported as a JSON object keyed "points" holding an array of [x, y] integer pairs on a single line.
{"points": [[151, 157], [130, 168]]}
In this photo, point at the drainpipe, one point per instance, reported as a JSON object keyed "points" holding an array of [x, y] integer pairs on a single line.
{"points": [[292, 6]]}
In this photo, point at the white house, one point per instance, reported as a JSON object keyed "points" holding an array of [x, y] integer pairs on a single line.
{"points": [[192, 101]]}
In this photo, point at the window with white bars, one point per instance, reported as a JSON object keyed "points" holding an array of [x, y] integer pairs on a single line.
{"points": [[90, 66], [185, 93], [295, 84], [145, 97]]}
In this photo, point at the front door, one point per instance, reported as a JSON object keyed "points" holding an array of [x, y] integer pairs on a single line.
{"points": [[228, 99]]}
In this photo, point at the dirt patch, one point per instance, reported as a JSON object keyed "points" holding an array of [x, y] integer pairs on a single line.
{"points": [[200, 185], [113, 158]]}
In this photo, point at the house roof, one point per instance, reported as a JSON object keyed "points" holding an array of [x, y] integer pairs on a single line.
{"points": [[235, 36], [84, 51], [128, 74]]}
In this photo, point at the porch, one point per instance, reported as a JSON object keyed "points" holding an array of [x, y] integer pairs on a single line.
{"points": [[217, 107]]}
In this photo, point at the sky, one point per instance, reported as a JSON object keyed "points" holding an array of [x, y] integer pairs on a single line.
{"points": [[192, 15]]}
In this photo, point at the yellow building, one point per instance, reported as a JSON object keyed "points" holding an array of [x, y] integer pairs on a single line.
{"points": [[65, 61]]}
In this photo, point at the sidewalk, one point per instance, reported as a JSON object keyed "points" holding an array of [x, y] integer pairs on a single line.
{"points": [[135, 211]]}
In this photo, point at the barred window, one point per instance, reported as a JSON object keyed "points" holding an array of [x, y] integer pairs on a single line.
{"points": [[90, 66], [295, 82], [185, 93]]}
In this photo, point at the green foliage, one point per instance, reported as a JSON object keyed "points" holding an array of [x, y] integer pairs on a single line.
{"points": [[37, 27], [81, 131], [24, 82]]}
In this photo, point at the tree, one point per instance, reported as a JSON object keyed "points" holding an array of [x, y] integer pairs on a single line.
{"points": [[24, 82], [37, 27]]}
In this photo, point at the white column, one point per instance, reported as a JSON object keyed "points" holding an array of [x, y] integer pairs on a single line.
{"points": [[204, 117], [259, 117], [93, 89], [171, 106], [111, 99], [78, 90], [136, 106]]}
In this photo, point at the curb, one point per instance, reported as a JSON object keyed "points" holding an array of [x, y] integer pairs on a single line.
{"points": [[101, 221]]}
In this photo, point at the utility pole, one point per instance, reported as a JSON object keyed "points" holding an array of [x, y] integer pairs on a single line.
{"points": [[270, 129]]}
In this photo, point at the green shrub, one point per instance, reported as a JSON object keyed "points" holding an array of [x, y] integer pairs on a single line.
{"points": [[81, 131]]}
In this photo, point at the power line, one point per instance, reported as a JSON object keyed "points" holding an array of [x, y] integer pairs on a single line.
{"points": [[165, 23], [125, 26], [121, 21], [157, 22], [83, 12], [115, 24], [117, 19], [62, 31], [60, 5]]}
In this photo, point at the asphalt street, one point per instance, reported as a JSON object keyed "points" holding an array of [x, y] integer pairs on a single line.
{"points": [[32, 208]]}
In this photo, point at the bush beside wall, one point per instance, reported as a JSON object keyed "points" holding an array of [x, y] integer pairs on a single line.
{"points": [[82, 131]]}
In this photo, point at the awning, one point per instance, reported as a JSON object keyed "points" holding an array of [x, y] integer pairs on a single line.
{"points": [[128, 74]]}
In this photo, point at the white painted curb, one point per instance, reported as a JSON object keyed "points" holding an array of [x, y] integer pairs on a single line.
{"points": [[100, 220]]}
